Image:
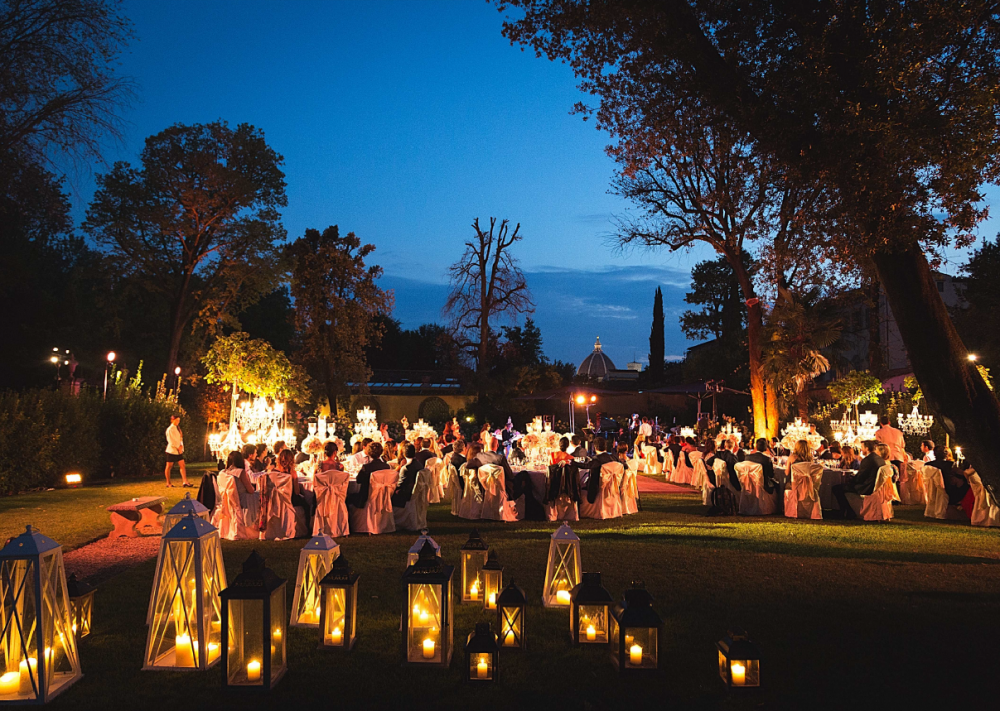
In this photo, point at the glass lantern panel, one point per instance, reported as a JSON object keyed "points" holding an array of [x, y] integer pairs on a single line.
{"points": [[593, 623], [424, 631], [614, 637], [246, 643], [723, 667], [491, 587], [19, 647], [83, 609], [472, 578], [313, 570], [511, 630], [214, 573], [335, 632], [640, 647], [745, 672], [279, 633], [562, 573], [61, 662], [173, 633], [481, 667]]}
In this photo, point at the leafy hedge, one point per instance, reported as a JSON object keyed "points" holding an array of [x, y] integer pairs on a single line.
{"points": [[46, 433]]}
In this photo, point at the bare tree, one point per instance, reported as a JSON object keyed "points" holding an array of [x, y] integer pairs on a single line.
{"points": [[486, 285]]}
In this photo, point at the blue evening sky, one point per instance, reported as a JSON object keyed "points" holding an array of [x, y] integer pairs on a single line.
{"points": [[403, 121]]}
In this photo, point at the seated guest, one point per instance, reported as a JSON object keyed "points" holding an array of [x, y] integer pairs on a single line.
{"points": [[449, 443], [955, 483], [593, 467], [301, 497], [374, 463], [708, 457], [689, 445], [834, 452], [760, 457], [407, 476], [800, 453], [730, 459], [562, 455], [675, 447], [209, 487], [458, 454], [622, 452], [249, 498], [863, 483], [579, 449], [849, 459], [360, 457], [423, 452], [927, 449], [261, 462], [331, 462], [390, 451], [823, 448], [882, 450]]}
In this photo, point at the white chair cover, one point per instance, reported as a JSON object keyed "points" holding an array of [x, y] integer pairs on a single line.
{"points": [[496, 507], [608, 503], [330, 488], [454, 490], [701, 480], [936, 496], [629, 492], [281, 519], [563, 508], [632, 464], [413, 516], [668, 463], [911, 483], [652, 459], [877, 506], [229, 516], [470, 506], [436, 489], [753, 498], [802, 497], [376, 516], [682, 473], [985, 511]]}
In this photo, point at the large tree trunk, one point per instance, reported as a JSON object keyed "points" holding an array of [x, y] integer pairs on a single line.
{"points": [[773, 414], [755, 331], [956, 393]]}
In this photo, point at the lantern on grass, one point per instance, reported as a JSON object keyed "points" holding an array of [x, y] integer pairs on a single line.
{"points": [[81, 602], [414, 552], [427, 618], [739, 660], [474, 553], [482, 655], [185, 628], [253, 615], [590, 611], [636, 632], [510, 617], [562, 573], [492, 577], [182, 508], [315, 560], [38, 652], [339, 608]]}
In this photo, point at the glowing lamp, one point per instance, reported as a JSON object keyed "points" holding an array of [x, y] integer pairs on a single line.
{"points": [[589, 611], [339, 608], [580, 399], [739, 660], [111, 356], [315, 561], [510, 617], [636, 632], [562, 572], [482, 655], [74, 479], [428, 634], [81, 602], [473, 555]]}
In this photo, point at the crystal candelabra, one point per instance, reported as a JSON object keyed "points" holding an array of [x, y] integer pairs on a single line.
{"points": [[867, 425], [915, 423], [687, 432], [256, 422], [728, 431], [366, 426]]}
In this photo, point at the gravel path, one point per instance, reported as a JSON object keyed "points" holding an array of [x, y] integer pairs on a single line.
{"points": [[107, 557]]}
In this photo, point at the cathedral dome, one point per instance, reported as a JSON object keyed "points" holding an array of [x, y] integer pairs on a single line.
{"points": [[597, 365]]}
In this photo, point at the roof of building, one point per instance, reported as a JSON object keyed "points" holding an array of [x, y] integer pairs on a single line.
{"points": [[597, 364]]}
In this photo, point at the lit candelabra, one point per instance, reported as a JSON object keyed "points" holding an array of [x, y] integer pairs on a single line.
{"points": [[867, 425], [799, 430], [729, 431], [421, 429], [687, 432], [256, 422], [366, 427], [915, 423]]}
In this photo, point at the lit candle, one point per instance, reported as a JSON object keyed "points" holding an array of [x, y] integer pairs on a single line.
{"points": [[482, 668], [635, 655], [183, 655], [424, 617], [739, 674], [10, 683], [25, 676], [474, 590], [337, 636], [562, 597], [213, 650], [74, 628], [428, 648], [253, 670], [628, 640], [276, 635], [491, 602], [591, 634], [508, 639]]}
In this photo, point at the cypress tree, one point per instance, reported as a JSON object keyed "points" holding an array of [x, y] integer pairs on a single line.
{"points": [[656, 339]]}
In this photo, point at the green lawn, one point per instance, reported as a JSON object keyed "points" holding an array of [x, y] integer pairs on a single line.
{"points": [[845, 614]]}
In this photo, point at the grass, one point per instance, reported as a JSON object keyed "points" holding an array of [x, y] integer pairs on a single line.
{"points": [[845, 614]]}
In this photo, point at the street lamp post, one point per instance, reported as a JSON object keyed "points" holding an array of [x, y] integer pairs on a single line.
{"points": [[177, 375], [107, 367]]}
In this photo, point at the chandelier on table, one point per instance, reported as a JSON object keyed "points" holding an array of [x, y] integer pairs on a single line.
{"points": [[366, 426], [915, 423], [256, 421]]}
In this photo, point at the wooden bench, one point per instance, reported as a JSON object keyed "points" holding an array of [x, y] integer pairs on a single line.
{"points": [[143, 512]]}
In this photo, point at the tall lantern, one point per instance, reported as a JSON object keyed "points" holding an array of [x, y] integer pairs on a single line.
{"points": [[636, 632], [492, 577], [339, 609], [482, 655], [182, 508], [473, 559], [38, 652], [589, 618], [562, 573], [315, 561], [427, 618], [739, 660], [81, 601], [185, 630], [414, 552], [510, 617], [253, 622]]}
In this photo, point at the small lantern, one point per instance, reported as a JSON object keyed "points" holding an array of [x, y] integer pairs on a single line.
{"points": [[510, 617], [339, 608], [182, 508], [739, 660], [482, 655], [473, 559], [589, 617], [636, 632], [562, 573], [315, 560], [38, 653], [427, 618], [253, 623], [492, 577], [185, 629], [81, 601], [414, 552]]}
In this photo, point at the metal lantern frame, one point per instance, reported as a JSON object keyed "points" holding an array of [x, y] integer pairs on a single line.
{"points": [[253, 623], [636, 633], [81, 601], [473, 553], [315, 561], [590, 611], [491, 575], [185, 625], [739, 660], [563, 570], [511, 605], [182, 508], [339, 607], [414, 552], [482, 655], [428, 634], [35, 615]]}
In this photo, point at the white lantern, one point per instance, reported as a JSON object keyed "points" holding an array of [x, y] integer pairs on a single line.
{"points": [[562, 573], [315, 561]]}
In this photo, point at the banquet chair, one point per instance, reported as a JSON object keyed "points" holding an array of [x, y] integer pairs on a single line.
{"points": [[331, 510], [632, 464], [877, 506], [229, 516], [668, 463], [471, 504], [608, 503], [754, 499], [454, 490], [985, 511], [701, 480], [652, 458], [413, 516], [376, 515], [682, 473], [435, 489], [911, 485], [496, 507], [281, 520], [934, 493], [802, 496], [563, 495], [629, 492]]}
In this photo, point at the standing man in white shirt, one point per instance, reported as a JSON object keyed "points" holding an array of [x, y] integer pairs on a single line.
{"points": [[894, 440], [175, 449]]}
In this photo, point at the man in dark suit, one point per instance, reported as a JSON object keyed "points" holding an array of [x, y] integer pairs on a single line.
{"points": [[863, 483], [759, 457], [407, 477], [423, 453], [730, 459], [594, 467], [458, 456], [360, 498], [449, 444]]}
